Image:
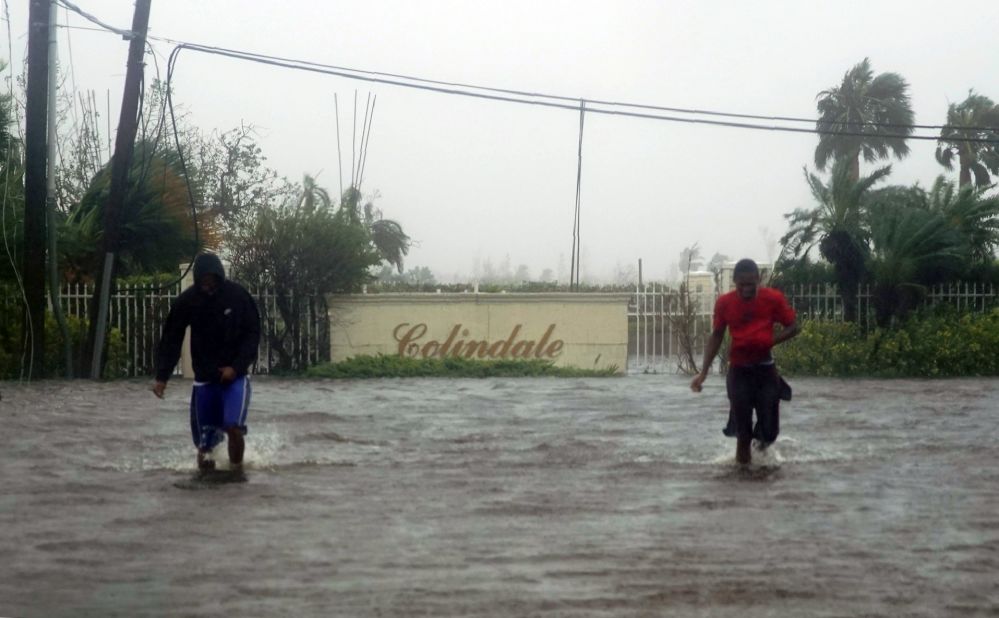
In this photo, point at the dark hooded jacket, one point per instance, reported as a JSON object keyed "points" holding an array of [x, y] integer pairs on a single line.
{"points": [[225, 327]]}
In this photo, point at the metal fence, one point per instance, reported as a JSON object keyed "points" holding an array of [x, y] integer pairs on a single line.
{"points": [[658, 324], [655, 315], [137, 314]]}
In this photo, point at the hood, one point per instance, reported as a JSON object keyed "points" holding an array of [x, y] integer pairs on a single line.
{"points": [[208, 263]]}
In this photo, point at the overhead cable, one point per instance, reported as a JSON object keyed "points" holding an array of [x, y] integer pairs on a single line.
{"points": [[546, 100], [124, 33], [357, 73]]}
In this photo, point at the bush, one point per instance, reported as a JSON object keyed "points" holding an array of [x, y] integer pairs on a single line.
{"points": [[383, 366], [932, 343], [54, 364]]}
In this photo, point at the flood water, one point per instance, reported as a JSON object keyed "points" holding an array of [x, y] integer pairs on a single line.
{"points": [[520, 497]]}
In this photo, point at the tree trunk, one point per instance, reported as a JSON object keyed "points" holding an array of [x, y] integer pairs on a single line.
{"points": [[885, 301], [855, 168], [839, 248], [965, 170]]}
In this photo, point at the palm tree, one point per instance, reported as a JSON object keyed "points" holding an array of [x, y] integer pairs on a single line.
{"points": [[874, 111], [157, 229], [312, 196], [977, 117], [911, 247], [837, 225], [972, 215], [387, 235]]}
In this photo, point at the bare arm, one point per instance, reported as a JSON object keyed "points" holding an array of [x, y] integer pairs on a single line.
{"points": [[710, 351], [786, 333]]}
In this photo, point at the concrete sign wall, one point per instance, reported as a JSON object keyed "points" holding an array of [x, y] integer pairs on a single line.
{"points": [[589, 331]]}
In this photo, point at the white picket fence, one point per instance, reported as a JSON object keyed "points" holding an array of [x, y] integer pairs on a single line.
{"points": [[137, 315], [654, 315]]}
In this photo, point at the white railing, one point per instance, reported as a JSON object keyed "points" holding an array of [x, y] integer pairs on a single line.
{"points": [[654, 315], [659, 328], [308, 343], [137, 315]]}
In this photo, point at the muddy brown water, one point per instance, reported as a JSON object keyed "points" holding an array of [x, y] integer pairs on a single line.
{"points": [[526, 497]]}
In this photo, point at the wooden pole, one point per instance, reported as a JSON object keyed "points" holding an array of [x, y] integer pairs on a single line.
{"points": [[124, 147], [35, 146]]}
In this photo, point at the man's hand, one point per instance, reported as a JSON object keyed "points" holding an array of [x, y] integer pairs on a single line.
{"points": [[227, 375], [695, 384], [159, 388]]}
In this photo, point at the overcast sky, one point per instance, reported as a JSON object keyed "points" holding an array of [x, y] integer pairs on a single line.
{"points": [[474, 180]]}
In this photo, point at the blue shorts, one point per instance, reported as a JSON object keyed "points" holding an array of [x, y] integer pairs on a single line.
{"points": [[217, 407]]}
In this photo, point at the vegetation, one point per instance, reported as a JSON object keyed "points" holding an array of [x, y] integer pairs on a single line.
{"points": [[838, 225], [966, 120], [156, 207], [865, 115], [383, 366], [897, 239], [931, 344], [11, 364], [387, 237], [288, 236], [12, 190], [303, 250]]}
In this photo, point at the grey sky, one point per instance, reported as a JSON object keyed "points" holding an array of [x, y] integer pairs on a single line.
{"points": [[472, 179]]}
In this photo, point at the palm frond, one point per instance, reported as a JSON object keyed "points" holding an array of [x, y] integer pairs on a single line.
{"points": [[390, 241]]}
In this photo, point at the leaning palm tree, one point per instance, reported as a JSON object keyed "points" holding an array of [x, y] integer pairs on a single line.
{"points": [[157, 227], [975, 118], [864, 115], [312, 196], [837, 225], [387, 235]]}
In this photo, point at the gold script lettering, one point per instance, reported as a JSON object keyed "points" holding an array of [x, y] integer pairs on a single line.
{"points": [[522, 349], [407, 342], [409, 339]]}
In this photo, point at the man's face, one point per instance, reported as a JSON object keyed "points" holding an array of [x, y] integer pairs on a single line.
{"points": [[208, 283], [746, 284]]}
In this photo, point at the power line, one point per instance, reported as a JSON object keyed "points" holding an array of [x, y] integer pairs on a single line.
{"points": [[573, 100], [124, 33], [545, 100], [357, 74]]}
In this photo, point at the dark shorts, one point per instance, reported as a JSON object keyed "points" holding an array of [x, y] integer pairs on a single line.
{"points": [[759, 388], [217, 407]]}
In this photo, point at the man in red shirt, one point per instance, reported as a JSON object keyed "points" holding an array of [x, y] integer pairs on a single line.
{"points": [[750, 312]]}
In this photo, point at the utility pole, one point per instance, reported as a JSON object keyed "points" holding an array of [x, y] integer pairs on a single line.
{"points": [[33, 263], [50, 201], [124, 146]]}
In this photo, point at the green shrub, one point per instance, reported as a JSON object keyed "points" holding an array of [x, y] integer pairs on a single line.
{"points": [[54, 365], [932, 343], [383, 366]]}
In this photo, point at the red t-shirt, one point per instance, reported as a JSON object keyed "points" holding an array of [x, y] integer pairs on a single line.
{"points": [[751, 323]]}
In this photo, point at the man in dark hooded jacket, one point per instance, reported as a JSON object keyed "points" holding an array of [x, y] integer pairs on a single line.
{"points": [[225, 333]]}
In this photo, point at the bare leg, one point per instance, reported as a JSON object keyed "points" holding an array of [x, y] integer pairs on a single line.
{"points": [[742, 452], [236, 445], [204, 463]]}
